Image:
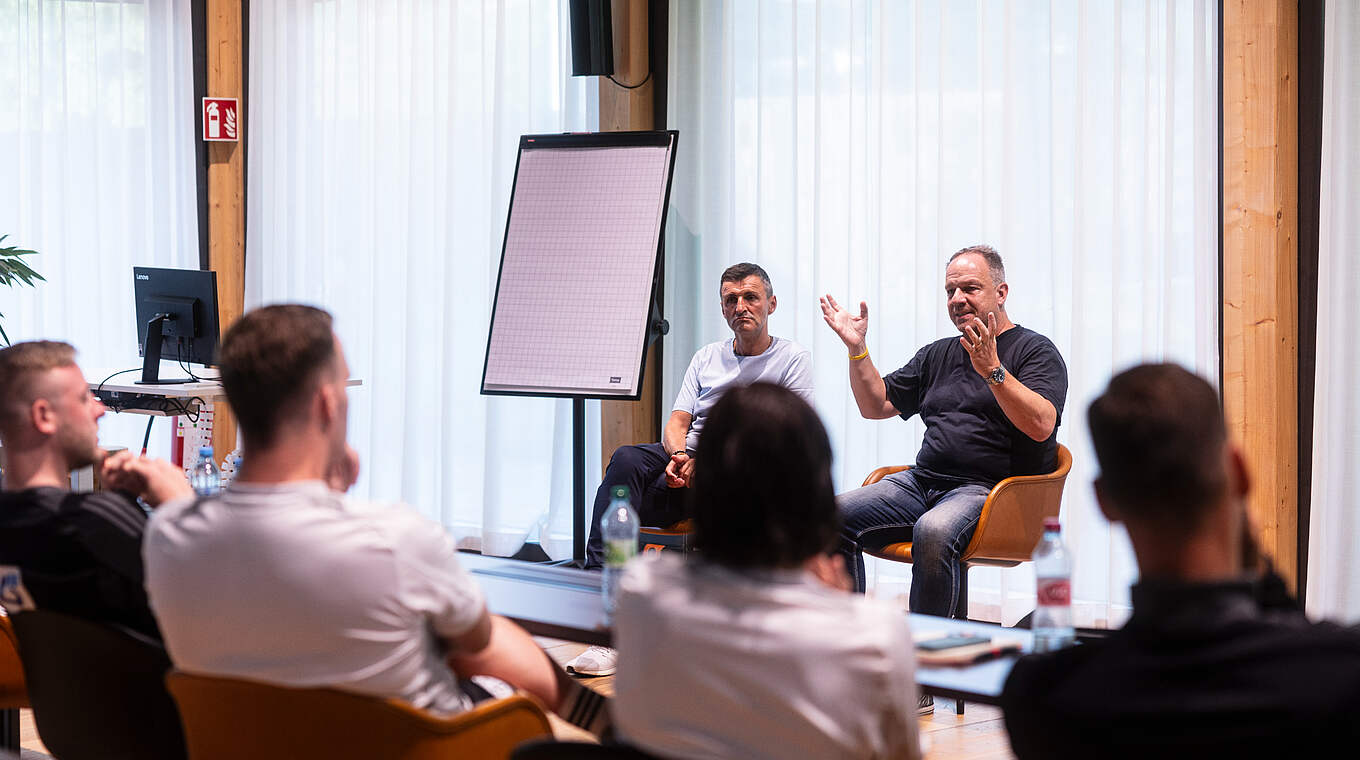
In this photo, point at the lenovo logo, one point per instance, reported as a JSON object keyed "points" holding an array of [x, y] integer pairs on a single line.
{"points": [[144, 277]]}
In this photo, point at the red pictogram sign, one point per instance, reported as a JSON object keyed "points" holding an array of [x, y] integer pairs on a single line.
{"points": [[220, 122]]}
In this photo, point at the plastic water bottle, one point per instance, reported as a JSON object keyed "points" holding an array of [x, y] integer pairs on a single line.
{"points": [[204, 478], [619, 530], [1053, 587]]}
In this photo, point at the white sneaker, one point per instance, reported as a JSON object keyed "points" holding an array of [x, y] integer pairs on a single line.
{"points": [[595, 661]]}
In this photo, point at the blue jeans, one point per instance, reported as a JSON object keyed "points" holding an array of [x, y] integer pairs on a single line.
{"points": [[937, 517], [643, 469]]}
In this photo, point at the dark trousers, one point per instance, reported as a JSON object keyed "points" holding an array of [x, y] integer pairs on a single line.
{"points": [[643, 469]]}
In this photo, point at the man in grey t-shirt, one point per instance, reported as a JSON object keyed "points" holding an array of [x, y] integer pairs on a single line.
{"points": [[657, 473]]}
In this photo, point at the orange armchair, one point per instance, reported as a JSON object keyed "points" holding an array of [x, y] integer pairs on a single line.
{"points": [[229, 719], [13, 689], [1009, 528]]}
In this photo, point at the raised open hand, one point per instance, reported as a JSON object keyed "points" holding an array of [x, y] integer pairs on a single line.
{"points": [[979, 340], [849, 327]]}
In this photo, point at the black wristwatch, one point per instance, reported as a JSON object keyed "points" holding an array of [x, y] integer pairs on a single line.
{"points": [[997, 377]]}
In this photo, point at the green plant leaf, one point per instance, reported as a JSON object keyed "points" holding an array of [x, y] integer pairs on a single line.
{"points": [[13, 269]]}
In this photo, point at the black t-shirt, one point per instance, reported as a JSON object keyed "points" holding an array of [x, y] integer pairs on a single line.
{"points": [[78, 553], [1199, 671], [968, 438]]}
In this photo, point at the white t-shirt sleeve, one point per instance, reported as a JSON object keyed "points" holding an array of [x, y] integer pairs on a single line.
{"points": [[432, 579], [798, 375], [687, 400], [901, 733]]}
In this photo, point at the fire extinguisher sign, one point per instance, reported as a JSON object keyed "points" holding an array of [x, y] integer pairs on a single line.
{"points": [[220, 123]]}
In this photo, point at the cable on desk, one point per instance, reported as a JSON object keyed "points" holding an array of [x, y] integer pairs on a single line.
{"points": [[179, 351], [99, 388]]}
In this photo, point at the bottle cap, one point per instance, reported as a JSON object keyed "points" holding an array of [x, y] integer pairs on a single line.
{"points": [[205, 451], [619, 492], [1052, 523]]}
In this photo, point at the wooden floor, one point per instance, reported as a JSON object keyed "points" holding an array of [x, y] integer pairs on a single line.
{"points": [[977, 735]]}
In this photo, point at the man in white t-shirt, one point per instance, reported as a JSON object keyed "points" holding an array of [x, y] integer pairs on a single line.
{"points": [[657, 473], [281, 579]]}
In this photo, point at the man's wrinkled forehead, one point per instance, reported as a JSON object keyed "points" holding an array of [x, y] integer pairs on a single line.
{"points": [[968, 267], [748, 284]]}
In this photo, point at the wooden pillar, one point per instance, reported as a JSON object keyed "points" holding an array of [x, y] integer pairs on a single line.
{"points": [[622, 109], [226, 187], [1260, 261]]}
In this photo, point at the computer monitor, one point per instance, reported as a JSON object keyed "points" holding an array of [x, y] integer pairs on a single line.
{"points": [[176, 318]]}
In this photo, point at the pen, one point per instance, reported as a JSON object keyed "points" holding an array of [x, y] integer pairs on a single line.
{"points": [[994, 653]]}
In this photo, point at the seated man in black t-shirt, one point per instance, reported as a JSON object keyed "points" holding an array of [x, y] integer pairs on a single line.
{"points": [[991, 401], [1217, 660], [77, 553]]}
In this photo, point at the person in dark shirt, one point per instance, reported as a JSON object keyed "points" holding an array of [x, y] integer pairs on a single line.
{"points": [[1217, 660], [991, 400], [76, 553]]}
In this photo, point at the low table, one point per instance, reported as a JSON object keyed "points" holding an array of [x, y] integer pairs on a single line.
{"points": [[564, 603]]}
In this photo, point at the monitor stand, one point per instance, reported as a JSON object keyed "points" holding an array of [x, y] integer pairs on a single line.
{"points": [[151, 364]]}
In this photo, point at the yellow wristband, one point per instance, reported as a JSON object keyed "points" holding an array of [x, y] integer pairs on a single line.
{"points": [[860, 356]]}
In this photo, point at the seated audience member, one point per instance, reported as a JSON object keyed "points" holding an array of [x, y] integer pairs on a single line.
{"points": [[657, 474], [75, 553], [756, 648], [1216, 661], [281, 579]]}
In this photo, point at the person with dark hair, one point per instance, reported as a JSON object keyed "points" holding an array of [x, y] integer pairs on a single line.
{"points": [[754, 648], [657, 474], [76, 553], [991, 400], [284, 580], [1217, 659]]}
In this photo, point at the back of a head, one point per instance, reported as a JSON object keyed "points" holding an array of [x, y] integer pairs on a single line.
{"points": [[21, 366], [1159, 435], [270, 358], [762, 495]]}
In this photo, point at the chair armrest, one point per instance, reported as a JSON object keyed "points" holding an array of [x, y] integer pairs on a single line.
{"points": [[516, 713], [883, 472], [1012, 518]]}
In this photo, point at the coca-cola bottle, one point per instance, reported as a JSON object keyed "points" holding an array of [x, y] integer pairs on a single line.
{"points": [[1053, 586]]}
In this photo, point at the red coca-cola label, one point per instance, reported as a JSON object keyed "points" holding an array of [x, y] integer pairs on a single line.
{"points": [[1054, 591]]}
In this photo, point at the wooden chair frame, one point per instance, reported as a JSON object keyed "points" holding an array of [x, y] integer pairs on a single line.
{"points": [[1011, 523], [228, 719]]}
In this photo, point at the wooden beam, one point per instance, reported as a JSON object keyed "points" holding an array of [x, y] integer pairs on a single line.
{"points": [[1260, 261], [226, 188], [621, 109]]}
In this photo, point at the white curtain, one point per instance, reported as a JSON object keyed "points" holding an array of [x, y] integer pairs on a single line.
{"points": [[1334, 530], [850, 147], [96, 171], [383, 136]]}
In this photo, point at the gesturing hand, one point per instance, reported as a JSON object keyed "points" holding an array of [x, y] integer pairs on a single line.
{"points": [[979, 340], [849, 327]]}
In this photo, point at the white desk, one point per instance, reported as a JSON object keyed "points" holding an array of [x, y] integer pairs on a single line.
{"points": [[123, 394]]}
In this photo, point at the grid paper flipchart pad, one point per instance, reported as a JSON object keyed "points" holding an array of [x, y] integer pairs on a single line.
{"points": [[575, 288]]}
